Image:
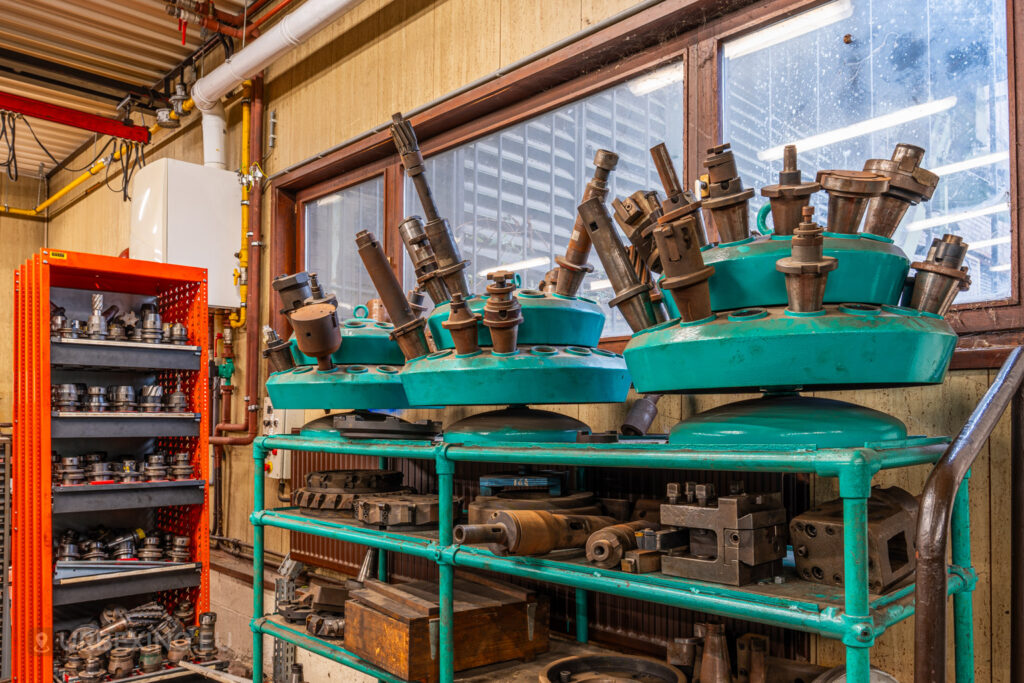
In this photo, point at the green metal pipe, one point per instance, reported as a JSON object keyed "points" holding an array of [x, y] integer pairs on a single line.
{"points": [[705, 598], [423, 450], [963, 607], [259, 454], [855, 586], [445, 524], [340, 532], [582, 617], [382, 556], [331, 651]]}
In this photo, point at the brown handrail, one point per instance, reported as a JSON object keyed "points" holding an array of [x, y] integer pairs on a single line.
{"points": [[933, 521]]}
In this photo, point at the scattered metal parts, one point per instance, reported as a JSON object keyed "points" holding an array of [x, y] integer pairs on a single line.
{"points": [[807, 268], [409, 327], [632, 297], [116, 330], [573, 267], [326, 624], [686, 276], [817, 538], [727, 200], [96, 400], [338, 490], [641, 415], [941, 276], [185, 612], [450, 266], [790, 195], [909, 184], [715, 666], [607, 547], [638, 215], [502, 312], [151, 398], [462, 324], [181, 466], [848, 195], [179, 649], [613, 668], [641, 561], [424, 261], [150, 658], [734, 539], [206, 637], [531, 532], [404, 510], [277, 351], [121, 398]]}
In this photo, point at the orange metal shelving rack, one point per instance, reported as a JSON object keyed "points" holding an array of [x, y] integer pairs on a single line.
{"points": [[180, 295]]}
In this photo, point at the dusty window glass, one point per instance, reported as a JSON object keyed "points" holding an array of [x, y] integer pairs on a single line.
{"points": [[511, 197], [848, 80], [331, 224]]}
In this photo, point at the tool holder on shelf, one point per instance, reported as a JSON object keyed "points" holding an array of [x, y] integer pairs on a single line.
{"points": [[40, 504]]}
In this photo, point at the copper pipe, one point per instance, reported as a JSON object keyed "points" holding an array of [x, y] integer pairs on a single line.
{"points": [[252, 337]]}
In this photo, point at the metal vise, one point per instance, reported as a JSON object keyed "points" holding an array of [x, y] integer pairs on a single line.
{"points": [[735, 539]]}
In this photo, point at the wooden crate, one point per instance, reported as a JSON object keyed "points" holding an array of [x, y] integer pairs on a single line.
{"points": [[396, 626]]}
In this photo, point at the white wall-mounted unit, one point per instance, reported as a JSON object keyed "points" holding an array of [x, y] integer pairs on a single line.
{"points": [[191, 215]]}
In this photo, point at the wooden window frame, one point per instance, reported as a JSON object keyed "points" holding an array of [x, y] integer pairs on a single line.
{"points": [[689, 30]]}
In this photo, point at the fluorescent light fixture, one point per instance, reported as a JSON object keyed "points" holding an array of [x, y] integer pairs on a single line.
{"points": [[787, 29], [995, 241], [518, 265], [926, 223], [656, 80], [600, 284], [918, 111], [1001, 268], [967, 164]]}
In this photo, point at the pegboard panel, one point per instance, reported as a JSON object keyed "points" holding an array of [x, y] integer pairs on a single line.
{"points": [[180, 292]]}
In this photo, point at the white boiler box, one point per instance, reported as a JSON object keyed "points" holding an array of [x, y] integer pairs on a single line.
{"points": [[190, 215]]}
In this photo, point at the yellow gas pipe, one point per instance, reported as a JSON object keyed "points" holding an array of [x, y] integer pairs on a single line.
{"points": [[188, 105], [237, 318]]}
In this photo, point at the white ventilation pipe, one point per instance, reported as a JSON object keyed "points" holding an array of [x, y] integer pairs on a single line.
{"points": [[215, 135], [294, 29]]}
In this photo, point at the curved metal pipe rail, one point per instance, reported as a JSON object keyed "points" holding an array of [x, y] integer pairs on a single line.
{"points": [[933, 525]]}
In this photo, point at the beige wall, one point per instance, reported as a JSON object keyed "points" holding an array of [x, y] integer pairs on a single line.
{"points": [[20, 237], [393, 56]]}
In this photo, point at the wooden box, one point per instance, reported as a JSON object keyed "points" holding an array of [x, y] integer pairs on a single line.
{"points": [[397, 626]]}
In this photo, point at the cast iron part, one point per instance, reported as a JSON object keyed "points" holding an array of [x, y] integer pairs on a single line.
{"points": [[408, 332], [752, 658], [130, 472], [338, 490], [606, 547], [736, 539], [848, 195], [715, 666], [640, 416], [638, 215], [613, 668], [96, 400], [121, 398], [686, 654], [502, 311], [807, 268], [178, 550], [462, 324], [941, 276], [416, 299], [150, 658], [686, 276], [450, 266], [727, 200], [179, 649], [531, 532], [121, 662], [181, 466], [790, 195], [65, 397], [363, 424], [632, 297], [205, 644], [317, 332], [909, 184], [817, 538], [407, 510], [151, 398], [326, 624], [424, 261], [293, 290], [277, 351], [185, 613], [577, 503], [102, 471], [150, 551], [573, 267], [156, 467]]}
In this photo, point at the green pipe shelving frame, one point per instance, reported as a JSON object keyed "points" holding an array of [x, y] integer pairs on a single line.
{"points": [[850, 614]]}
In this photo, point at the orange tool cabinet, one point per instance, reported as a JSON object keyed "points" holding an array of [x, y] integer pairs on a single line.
{"points": [[42, 505]]}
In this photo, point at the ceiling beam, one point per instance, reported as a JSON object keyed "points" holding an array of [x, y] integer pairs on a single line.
{"points": [[72, 117]]}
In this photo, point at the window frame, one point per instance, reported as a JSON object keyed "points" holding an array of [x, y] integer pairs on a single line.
{"points": [[630, 47]]}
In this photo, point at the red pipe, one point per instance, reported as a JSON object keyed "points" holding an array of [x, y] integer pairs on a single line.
{"points": [[252, 350], [271, 12]]}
